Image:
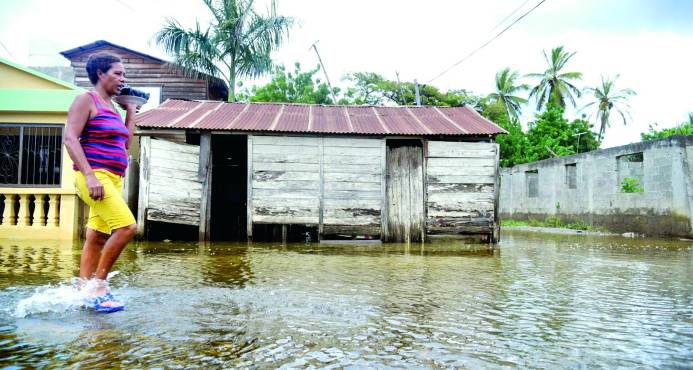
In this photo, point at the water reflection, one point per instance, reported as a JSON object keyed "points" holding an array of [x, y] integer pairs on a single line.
{"points": [[537, 301]]}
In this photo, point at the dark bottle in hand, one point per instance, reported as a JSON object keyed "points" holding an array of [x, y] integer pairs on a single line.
{"points": [[127, 90]]}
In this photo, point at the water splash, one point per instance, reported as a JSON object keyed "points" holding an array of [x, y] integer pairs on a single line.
{"points": [[58, 298], [51, 299]]}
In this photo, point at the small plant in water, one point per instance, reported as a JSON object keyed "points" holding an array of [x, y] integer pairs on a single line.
{"points": [[631, 185]]}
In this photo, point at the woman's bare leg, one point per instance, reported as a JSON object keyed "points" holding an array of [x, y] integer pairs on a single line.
{"points": [[115, 244], [91, 253]]}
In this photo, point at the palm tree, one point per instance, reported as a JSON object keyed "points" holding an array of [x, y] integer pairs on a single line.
{"points": [[237, 44], [554, 86], [606, 99], [505, 90]]}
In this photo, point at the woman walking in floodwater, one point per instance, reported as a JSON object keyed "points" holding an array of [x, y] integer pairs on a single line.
{"points": [[97, 140]]}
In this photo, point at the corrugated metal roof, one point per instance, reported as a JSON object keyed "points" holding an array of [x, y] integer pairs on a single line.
{"points": [[326, 119]]}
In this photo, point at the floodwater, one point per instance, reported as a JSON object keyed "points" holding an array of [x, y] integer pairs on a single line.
{"points": [[536, 301]]}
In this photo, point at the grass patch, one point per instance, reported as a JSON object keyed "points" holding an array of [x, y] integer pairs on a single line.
{"points": [[551, 221]]}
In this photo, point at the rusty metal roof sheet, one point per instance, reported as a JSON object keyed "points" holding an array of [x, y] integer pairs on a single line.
{"points": [[324, 119]]}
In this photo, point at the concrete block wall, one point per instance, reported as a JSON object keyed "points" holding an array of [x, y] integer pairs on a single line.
{"points": [[664, 208]]}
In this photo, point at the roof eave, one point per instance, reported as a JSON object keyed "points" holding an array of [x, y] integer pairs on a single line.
{"points": [[99, 43]]}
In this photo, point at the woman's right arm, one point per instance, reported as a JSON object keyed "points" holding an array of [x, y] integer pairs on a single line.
{"points": [[77, 117]]}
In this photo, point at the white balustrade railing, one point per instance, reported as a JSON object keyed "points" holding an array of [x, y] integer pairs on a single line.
{"points": [[17, 209]]}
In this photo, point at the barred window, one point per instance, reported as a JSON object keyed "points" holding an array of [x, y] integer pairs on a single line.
{"points": [[30, 155]]}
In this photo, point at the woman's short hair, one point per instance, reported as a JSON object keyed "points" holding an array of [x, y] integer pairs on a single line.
{"points": [[99, 62]]}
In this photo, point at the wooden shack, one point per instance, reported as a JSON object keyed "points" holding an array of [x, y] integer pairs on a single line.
{"points": [[161, 79], [393, 173]]}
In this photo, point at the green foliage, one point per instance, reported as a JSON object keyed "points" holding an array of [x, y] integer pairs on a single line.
{"points": [[554, 85], [513, 146], [606, 98], [237, 43], [631, 185], [507, 90], [374, 89], [685, 128], [367, 88], [550, 132], [551, 221], [287, 87]]}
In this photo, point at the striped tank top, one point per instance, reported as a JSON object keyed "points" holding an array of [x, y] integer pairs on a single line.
{"points": [[104, 138]]}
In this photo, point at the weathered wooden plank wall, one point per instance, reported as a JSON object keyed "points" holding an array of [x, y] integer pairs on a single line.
{"points": [[142, 71], [353, 177], [285, 179], [332, 182], [405, 194], [460, 187], [174, 187]]}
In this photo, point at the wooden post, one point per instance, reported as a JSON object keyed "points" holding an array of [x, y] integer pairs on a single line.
{"points": [[424, 174], [384, 204], [204, 174], [143, 197], [249, 191], [284, 233], [321, 206], [495, 234]]}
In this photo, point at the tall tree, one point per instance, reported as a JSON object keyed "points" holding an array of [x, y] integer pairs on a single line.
{"points": [[554, 85], [506, 90], [607, 98], [237, 43]]}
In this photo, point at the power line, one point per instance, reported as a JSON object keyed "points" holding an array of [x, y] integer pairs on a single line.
{"points": [[485, 44], [125, 5], [509, 15]]}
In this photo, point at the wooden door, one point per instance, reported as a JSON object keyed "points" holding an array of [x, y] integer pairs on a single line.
{"points": [[405, 196]]}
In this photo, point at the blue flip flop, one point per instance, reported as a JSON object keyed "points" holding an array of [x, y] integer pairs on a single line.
{"points": [[96, 303]]}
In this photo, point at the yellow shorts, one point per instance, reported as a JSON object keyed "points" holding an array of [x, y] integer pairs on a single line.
{"points": [[111, 212]]}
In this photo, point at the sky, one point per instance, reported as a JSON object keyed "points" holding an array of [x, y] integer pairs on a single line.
{"points": [[648, 43]]}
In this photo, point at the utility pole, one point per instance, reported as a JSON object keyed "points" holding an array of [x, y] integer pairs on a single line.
{"points": [[418, 96], [334, 98], [399, 85], [577, 150]]}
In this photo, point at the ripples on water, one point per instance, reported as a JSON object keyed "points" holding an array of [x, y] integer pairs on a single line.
{"points": [[537, 301]]}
